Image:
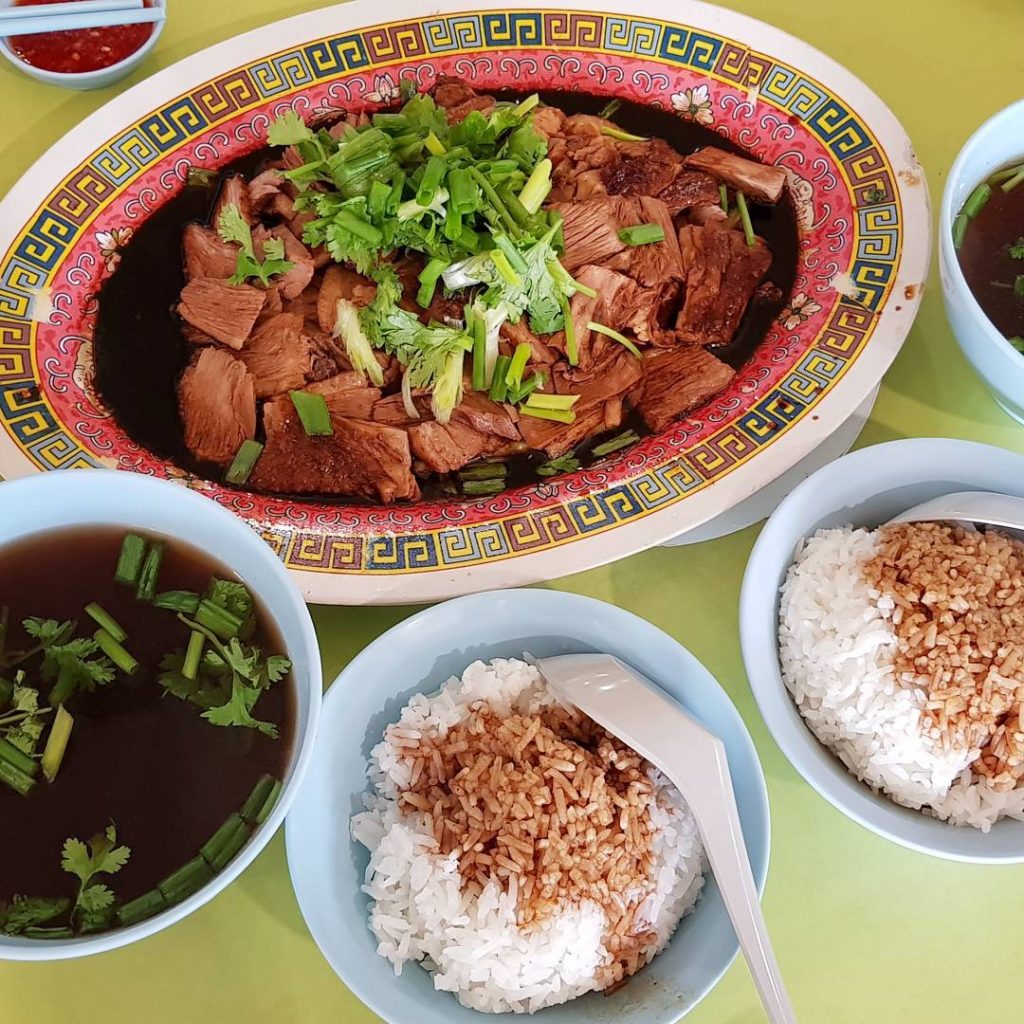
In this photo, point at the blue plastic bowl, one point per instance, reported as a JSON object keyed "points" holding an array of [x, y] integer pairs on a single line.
{"points": [[418, 655]]}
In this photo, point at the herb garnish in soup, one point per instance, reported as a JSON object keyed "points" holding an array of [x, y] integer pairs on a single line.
{"points": [[988, 235], [146, 719]]}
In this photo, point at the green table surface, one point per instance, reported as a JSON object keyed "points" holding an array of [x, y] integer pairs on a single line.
{"points": [[864, 930]]}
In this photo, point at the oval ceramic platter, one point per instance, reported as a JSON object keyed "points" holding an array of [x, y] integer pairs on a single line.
{"points": [[862, 210]]}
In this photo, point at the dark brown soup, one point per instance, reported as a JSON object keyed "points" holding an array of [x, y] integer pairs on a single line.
{"points": [[141, 352], [138, 758], [992, 258]]}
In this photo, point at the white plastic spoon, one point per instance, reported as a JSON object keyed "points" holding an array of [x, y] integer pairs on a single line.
{"points": [[657, 728], [970, 509]]}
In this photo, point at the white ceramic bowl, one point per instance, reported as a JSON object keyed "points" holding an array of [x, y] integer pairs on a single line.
{"points": [[865, 488], [998, 142], [60, 500], [418, 655], [98, 79]]}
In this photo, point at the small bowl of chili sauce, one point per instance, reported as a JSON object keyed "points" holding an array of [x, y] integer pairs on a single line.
{"points": [[90, 58], [981, 254]]}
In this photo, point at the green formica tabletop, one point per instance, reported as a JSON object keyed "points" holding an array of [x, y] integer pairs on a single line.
{"points": [[866, 932]]}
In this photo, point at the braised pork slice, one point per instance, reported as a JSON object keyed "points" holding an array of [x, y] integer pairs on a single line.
{"points": [[678, 380], [207, 254], [763, 182], [391, 410], [690, 189], [614, 372], [722, 272], [293, 281], [234, 191], [264, 187], [556, 439], [341, 283], [360, 457], [459, 98], [348, 394], [642, 169], [278, 355], [217, 401], [478, 428], [224, 312]]}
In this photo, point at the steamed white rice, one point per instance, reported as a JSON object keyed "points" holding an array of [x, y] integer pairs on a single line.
{"points": [[472, 944], [837, 646]]}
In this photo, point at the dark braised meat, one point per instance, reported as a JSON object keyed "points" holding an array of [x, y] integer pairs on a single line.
{"points": [[222, 311], [677, 381], [762, 182], [217, 400], [278, 355]]}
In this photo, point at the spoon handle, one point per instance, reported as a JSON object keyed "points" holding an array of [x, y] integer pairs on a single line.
{"points": [[714, 806]]}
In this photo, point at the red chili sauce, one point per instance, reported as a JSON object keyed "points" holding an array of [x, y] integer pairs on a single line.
{"points": [[87, 49]]}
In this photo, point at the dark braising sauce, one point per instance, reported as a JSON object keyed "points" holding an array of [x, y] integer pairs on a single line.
{"points": [[146, 762], [987, 263], [140, 351]]}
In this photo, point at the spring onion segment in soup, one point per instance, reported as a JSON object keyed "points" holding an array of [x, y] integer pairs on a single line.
{"points": [[450, 297], [518, 851], [988, 234], [903, 648], [145, 724]]}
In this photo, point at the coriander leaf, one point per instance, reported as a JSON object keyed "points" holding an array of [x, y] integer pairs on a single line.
{"points": [[1017, 250], [29, 912], [273, 249], [232, 227], [233, 597], [95, 898], [526, 146], [237, 710], [278, 666], [100, 856], [567, 463], [72, 666], [48, 631], [172, 680], [289, 130], [75, 859]]}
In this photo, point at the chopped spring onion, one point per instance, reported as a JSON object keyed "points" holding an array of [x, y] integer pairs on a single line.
{"points": [[563, 277], [1018, 286], [200, 177], [377, 201], [244, 462], [6, 691], [977, 199], [434, 145], [16, 758], [57, 743], [5, 617], [525, 106], [499, 384], [186, 881], [222, 846], [572, 351], [193, 654], [537, 186], [615, 336], [609, 109], [129, 562], [359, 226], [15, 778], [618, 133], [463, 193], [261, 800], [723, 198], [150, 573], [483, 471], [313, 412], [528, 387], [452, 226], [106, 621], [478, 329], [428, 281], [642, 234], [1014, 179], [959, 230], [748, 228], [505, 268], [433, 175], [560, 415], [495, 200], [119, 655], [520, 358], [54, 932], [1017, 342], [542, 401], [186, 601], [567, 463], [142, 908], [481, 488], [623, 440], [520, 214], [407, 403], [218, 620]]}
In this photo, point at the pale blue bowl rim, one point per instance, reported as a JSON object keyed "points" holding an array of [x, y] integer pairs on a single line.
{"points": [[496, 624]]}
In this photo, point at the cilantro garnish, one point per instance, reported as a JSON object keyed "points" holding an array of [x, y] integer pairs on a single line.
{"points": [[232, 228], [100, 856], [1017, 250], [69, 663]]}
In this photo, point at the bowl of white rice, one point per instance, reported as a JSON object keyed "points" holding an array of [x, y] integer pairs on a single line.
{"points": [[467, 843], [888, 662]]}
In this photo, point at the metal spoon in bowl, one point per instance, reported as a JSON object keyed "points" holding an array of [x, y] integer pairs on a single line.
{"points": [[969, 509], [657, 728]]}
